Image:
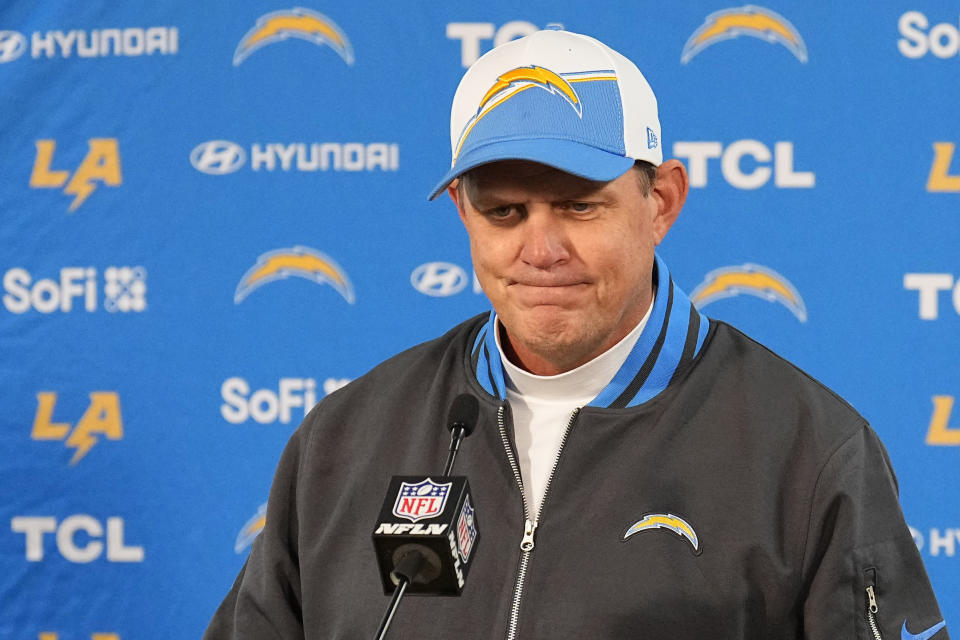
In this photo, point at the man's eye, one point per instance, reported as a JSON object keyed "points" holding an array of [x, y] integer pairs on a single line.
{"points": [[500, 212], [580, 207]]}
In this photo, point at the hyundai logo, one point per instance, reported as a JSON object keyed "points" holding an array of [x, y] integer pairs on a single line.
{"points": [[917, 538], [12, 45], [438, 279], [217, 157]]}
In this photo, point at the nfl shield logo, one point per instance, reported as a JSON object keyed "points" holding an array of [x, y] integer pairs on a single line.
{"points": [[466, 530], [421, 500]]}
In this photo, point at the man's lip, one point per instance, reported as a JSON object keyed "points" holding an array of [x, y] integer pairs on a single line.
{"points": [[546, 285]]}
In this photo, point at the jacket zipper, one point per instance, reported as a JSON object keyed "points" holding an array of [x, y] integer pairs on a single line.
{"points": [[529, 526], [872, 607]]}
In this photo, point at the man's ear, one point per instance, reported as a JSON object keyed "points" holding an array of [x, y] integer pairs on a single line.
{"points": [[454, 192], [670, 191]]}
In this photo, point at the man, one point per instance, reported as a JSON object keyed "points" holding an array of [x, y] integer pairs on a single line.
{"points": [[639, 470]]}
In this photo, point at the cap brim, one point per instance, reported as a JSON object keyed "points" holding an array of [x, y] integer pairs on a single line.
{"points": [[566, 155]]}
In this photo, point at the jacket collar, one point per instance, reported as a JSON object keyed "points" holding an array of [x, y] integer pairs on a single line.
{"points": [[673, 337]]}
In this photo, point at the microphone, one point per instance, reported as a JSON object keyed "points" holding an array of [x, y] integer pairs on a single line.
{"points": [[427, 532], [461, 421]]}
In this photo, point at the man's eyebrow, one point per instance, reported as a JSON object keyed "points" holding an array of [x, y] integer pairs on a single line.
{"points": [[596, 191]]}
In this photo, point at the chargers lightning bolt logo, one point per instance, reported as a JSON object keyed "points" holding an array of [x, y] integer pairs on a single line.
{"points": [[749, 279], [668, 521], [294, 23], [251, 529], [302, 262], [518, 80], [749, 20], [534, 77]]}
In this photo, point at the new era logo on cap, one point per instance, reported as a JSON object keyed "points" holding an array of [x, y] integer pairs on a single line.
{"points": [[593, 113]]}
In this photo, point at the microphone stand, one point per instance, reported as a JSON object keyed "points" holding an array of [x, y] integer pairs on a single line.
{"points": [[413, 561], [462, 420], [407, 569], [457, 434]]}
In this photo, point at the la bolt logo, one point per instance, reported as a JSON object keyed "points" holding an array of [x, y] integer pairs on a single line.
{"points": [[940, 433], [940, 180], [101, 418], [101, 164]]}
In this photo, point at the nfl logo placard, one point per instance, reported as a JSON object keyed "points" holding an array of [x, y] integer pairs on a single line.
{"points": [[421, 500], [466, 530]]}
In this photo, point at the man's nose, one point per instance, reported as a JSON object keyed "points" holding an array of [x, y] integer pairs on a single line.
{"points": [[545, 241]]}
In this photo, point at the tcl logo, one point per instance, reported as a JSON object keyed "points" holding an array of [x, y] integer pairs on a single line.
{"points": [[471, 34], [76, 548], [929, 286], [699, 154]]}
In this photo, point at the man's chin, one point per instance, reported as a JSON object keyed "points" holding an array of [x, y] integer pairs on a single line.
{"points": [[562, 344]]}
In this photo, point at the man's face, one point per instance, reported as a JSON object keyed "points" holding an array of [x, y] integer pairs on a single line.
{"points": [[566, 262]]}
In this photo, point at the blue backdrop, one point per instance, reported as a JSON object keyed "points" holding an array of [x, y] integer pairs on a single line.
{"points": [[213, 214]]}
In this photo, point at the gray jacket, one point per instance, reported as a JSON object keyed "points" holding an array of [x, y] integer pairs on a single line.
{"points": [[712, 491]]}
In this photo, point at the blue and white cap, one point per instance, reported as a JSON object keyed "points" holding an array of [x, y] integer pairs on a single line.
{"points": [[558, 98]]}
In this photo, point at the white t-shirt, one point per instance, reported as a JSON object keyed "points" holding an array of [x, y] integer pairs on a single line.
{"points": [[542, 407]]}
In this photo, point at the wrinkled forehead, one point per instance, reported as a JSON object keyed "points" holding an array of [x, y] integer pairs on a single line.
{"points": [[522, 179]]}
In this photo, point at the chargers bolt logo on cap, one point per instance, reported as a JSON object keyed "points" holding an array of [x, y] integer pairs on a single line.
{"points": [[558, 98]]}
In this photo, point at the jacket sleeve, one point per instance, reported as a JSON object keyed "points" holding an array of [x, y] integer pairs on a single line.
{"points": [[265, 600], [864, 576]]}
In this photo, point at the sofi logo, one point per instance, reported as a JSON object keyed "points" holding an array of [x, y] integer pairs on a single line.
{"points": [[473, 36], [95, 541], [268, 406], [777, 165], [918, 38], [75, 289]]}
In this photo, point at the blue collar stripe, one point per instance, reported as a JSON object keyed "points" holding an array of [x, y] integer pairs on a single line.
{"points": [[702, 334], [645, 345], [671, 354], [489, 367], [483, 366], [673, 336]]}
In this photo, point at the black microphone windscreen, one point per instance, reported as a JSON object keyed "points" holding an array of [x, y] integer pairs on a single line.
{"points": [[464, 413]]}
